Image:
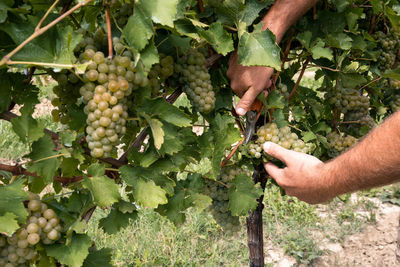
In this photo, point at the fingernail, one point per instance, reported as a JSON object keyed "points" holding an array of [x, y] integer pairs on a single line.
{"points": [[267, 145], [240, 111]]}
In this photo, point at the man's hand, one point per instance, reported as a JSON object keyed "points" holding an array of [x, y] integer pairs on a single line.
{"points": [[247, 82], [302, 177]]}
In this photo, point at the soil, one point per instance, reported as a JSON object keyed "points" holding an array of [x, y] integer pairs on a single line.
{"points": [[374, 246]]}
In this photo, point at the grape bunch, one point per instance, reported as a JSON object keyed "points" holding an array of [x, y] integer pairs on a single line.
{"points": [[395, 84], [389, 44], [219, 193], [281, 136], [159, 73], [121, 12], [42, 225], [282, 89], [196, 81], [107, 83], [353, 104], [395, 103], [67, 94], [339, 143]]}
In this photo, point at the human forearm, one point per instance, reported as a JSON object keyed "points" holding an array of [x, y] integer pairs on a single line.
{"points": [[284, 13], [375, 161]]}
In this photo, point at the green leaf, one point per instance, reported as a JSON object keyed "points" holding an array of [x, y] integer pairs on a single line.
{"points": [[116, 220], [139, 29], [218, 37], [231, 11], [172, 140], [305, 38], [393, 17], [42, 155], [275, 100], [319, 51], [54, 46], [308, 136], [298, 113], [185, 27], [392, 73], [156, 129], [26, 127], [149, 56], [97, 258], [165, 111], [126, 207], [5, 5], [377, 6], [8, 223], [96, 169], [145, 193], [341, 5], [352, 80], [160, 11], [11, 200], [339, 40], [174, 209], [200, 201], [72, 254], [104, 190], [243, 195], [259, 49]]}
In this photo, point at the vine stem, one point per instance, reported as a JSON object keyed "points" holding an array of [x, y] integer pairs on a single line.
{"points": [[52, 157], [46, 15], [40, 31], [44, 64], [375, 80], [322, 67], [226, 160], [300, 77], [349, 122], [285, 56], [109, 34], [19, 170], [201, 6]]}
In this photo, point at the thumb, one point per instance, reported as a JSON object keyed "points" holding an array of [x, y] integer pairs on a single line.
{"points": [[246, 101], [276, 151]]}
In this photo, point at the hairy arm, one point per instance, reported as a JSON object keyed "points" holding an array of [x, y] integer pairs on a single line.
{"points": [[375, 161], [248, 82]]}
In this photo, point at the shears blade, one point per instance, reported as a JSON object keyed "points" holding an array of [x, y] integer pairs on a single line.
{"points": [[251, 119]]}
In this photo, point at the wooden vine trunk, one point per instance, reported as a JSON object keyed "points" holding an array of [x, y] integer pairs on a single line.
{"points": [[255, 237]]}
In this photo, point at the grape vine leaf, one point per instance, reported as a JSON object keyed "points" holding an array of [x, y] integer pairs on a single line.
{"points": [[27, 128], [219, 137], [96, 169], [165, 111], [116, 220], [320, 51], [5, 5], [231, 11], [43, 161], [243, 195], [97, 258], [259, 48], [54, 46], [275, 100], [11, 200], [392, 73], [104, 190], [160, 11], [172, 140], [138, 30], [351, 80], [174, 209], [199, 201], [145, 193], [218, 38], [149, 56], [185, 27], [8, 223], [339, 40], [72, 254], [156, 130]]}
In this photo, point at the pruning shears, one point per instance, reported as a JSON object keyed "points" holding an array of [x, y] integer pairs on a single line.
{"points": [[251, 118]]}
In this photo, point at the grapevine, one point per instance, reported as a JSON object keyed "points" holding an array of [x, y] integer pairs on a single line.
{"points": [[143, 110]]}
